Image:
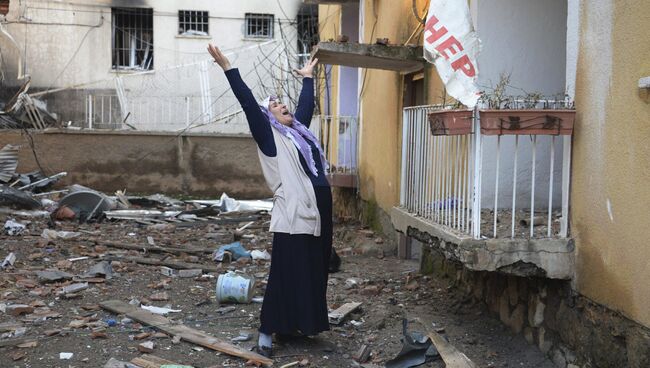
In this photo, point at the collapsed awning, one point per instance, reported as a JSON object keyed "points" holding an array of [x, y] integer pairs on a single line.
{"points": [[387, 57]]}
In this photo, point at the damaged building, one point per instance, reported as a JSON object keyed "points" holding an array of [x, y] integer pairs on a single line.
{"points": [[531, 202], [508, 234]]}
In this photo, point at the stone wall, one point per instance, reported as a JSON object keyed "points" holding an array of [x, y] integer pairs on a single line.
{"points": [[197, 165], [571, 329]]}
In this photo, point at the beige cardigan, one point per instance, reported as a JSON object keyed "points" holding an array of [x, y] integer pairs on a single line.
{"points": [[294, 202]]}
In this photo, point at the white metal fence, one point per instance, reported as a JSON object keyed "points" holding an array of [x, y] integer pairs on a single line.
{"points": [[339, 137], [485, 186]]}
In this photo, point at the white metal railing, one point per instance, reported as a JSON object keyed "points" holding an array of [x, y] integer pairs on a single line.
{"points": [[339, 137], [165, 113], [485, 186]]}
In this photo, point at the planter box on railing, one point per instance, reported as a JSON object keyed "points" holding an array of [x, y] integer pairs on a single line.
{"points": [[527, 122], [450, 122]]}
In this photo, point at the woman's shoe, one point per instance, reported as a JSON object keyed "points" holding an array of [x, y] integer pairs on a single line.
{"points": [[265, 351]]}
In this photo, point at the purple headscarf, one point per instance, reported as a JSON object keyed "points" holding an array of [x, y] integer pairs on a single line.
{"points": [[299, 134]]}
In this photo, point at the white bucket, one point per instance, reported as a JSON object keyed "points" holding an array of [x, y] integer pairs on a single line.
{"points": [[235, 288]]}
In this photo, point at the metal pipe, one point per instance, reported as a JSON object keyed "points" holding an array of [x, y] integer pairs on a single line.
{"points": [[532, 191], [550, 189], [514, 186], [496, 187]]}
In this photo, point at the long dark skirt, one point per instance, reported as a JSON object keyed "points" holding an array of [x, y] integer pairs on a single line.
{"points": [[295, 298]]}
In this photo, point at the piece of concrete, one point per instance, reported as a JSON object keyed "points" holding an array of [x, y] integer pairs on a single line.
{"points": [[549, 258], [102, 268], [190, 273], [146, 347], [73, 288], [18, 309], [10, 259], [53, 276], [387, 57]]}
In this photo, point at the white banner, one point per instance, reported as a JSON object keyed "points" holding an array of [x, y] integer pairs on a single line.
{"points": [[452, 45]]}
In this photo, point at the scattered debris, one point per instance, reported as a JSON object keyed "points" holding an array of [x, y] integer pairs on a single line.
{"points": [[18, 309], [337, 316], [417, 350], [190, 273], [65, 356], [186, 333], [10, 259], [17, 199], [146, 347], [159, 310], [102, 268], [74, 288], [261, 255], [53, 276], [13, 228], [53, 234], [235, 249]]}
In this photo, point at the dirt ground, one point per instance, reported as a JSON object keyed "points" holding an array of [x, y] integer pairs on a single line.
{"points": [[390, 290]]}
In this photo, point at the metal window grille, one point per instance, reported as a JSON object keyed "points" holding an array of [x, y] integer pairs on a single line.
{"points": [[193, 22], [132, 38], [259, 25]]}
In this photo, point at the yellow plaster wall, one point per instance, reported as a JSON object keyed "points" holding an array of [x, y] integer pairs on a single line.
{"points": [[381, 105], [381, 100], [329, 26], [610, 195]]}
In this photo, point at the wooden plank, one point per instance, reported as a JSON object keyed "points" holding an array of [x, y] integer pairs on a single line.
{"points": [[337, 316], [153, 249], [184, 332], [14, 342], [170, 264], [151, 361], [452, 357]]}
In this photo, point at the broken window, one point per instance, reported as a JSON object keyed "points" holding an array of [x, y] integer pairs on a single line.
{"points": [[259, 25], [132, 38], [192, 23]]}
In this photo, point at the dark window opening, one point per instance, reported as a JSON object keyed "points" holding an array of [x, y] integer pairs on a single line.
{"points": [[132, 38], [414, 89], [193, 23], [259, 25]]}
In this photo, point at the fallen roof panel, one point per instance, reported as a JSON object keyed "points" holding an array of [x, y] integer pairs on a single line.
{"points": [[387, 57]]}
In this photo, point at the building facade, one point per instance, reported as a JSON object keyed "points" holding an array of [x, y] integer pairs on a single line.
{"points": [[143, 64], [575, 287]]}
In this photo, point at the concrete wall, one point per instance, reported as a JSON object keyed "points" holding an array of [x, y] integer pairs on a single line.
{"points": [[197, 165], [611, 156], [69, 44]]}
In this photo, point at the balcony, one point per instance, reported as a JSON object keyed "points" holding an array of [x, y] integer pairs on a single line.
{"points": [[338, 137], [494, 200]]}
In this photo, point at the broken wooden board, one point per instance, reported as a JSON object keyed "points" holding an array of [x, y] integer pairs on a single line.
{"points": [[337, 316], [151, 361], [452, 357], [404, 59], [184, 332], [153, 248], [170, 264]]}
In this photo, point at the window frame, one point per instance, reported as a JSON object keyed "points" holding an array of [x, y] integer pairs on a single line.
{"points": [[197, 18], [259, 18], [135, 36]]}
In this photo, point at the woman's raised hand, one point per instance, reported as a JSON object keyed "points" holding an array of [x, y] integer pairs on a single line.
{"points": [[219, 57], [307, 71]]}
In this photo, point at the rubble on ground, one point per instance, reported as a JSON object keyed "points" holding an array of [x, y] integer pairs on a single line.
{"points": [[92, 288]]}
